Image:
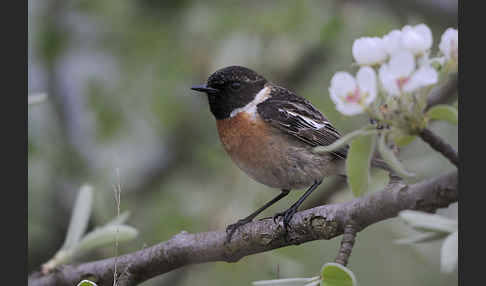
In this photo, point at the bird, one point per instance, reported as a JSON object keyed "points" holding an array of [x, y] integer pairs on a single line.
{"points": [[270, 132]]}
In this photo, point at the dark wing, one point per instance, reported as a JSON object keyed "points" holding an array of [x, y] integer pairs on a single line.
{"points": [[296, 116]]}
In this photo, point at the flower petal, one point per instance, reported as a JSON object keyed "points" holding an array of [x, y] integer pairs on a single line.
{"points": [[401, 64], [369, 51], [427, 74], [342, 83], [426, 34], [417, 39], [366, 79], [424, 76], [349, 108], [449, 43], [392, 42], [388, 82]]}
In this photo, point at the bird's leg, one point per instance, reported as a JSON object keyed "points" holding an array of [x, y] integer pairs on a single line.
{"points": [[289, 213], [230, 230]]}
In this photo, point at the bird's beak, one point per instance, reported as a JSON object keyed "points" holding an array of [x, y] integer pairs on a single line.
{"points": [[204, 88]]}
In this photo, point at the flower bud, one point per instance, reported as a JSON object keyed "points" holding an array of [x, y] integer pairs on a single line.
{"points": [[369, 51], [417, 39], [449, 44]]}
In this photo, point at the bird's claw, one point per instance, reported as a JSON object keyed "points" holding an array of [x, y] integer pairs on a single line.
{"points": [[287, 217], [231, 229]]}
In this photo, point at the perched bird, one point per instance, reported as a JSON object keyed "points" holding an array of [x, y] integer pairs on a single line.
{"points": [[269, 132]]}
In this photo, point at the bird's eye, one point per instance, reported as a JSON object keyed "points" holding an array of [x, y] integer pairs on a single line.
{"points": [[235, 85]]}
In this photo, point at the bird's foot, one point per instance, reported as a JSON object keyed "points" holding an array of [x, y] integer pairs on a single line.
{"points": [[286, 217], [231, 229]]}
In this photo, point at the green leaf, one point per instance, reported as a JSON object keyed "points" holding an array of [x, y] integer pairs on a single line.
{"points": [[104, 236], [449, 253], [421, 237], [79, 217], [121, 219], [36, 98], [443, 112], [334, 274], [86, 283], [287, 282], [401, 138], [405, 140], [358, 164], [345, 139], [428, 222], [391, 160]]}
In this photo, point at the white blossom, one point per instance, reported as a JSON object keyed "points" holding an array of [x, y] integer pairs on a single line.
{"points": [[416, 39], [449, 44], [393, 42], [369, 51], [352, 95], [400, 74]]}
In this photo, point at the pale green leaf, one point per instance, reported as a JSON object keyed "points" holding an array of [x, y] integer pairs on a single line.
{"points": [[345, 139], [358, 164], [401, 138], [86, 283], [404, 140], [421, 237], [286, 282], [428, 222], [36, 98], [104, 236], [443, 112], [121, 219], [449, 253], [79, 217], [314, 283], [334, 274], [391, 159]]}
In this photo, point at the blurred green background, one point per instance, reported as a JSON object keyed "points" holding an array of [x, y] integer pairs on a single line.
{"points": [[118, 73]]}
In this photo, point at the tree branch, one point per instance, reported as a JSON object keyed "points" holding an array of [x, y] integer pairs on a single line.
{"points": [[324, 222], [440, 145]]}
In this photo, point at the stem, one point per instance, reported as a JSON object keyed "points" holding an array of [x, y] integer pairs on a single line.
{"points": [[347, 243], [439, 145]]}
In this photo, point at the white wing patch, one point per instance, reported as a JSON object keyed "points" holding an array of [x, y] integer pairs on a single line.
{"points": [[316, 125], [251, 108]]}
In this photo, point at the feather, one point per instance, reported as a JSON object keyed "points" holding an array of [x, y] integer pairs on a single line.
{"points": [[296, 116]]}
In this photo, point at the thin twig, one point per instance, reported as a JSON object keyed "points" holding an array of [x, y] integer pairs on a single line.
{"points": [[440, 145], [117, 190], [347, 243]]}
